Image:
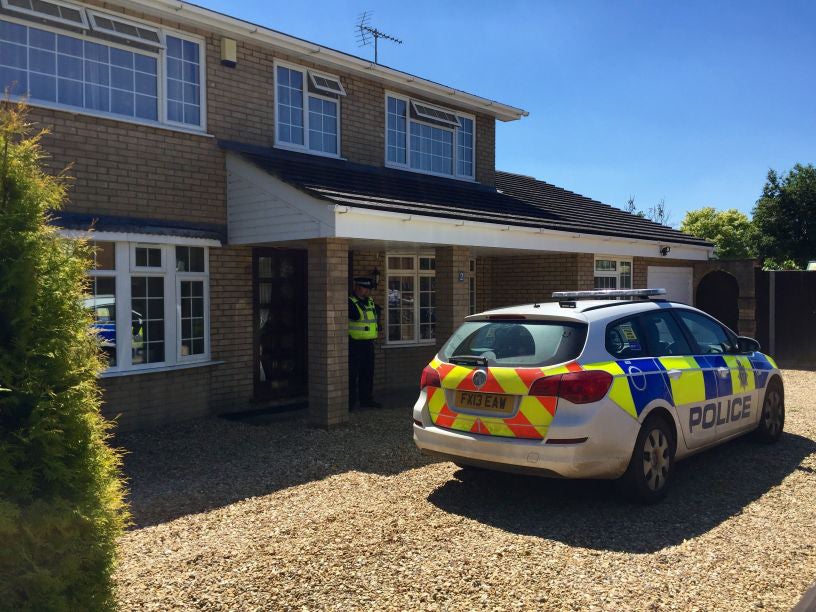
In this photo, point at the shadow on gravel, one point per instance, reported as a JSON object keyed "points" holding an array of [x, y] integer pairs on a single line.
{"points": [[205, 464], [708, 489]]}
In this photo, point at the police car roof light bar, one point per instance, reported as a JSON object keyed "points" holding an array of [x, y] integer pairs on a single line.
{"points": [[607, 294]]}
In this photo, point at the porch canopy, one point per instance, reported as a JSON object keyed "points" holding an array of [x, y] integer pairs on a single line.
{"points": [[332, 207], [276, 195]]}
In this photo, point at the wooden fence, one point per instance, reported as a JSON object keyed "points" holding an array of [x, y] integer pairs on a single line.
{"points": [[786, 317]]}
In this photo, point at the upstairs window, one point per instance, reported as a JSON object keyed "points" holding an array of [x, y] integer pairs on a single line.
{"points": [[82, 71], [308, 110], [429, 139], [183, 81]]}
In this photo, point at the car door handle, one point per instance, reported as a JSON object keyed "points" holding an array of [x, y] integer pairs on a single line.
{"points": [[723, 372], [675, 374]]}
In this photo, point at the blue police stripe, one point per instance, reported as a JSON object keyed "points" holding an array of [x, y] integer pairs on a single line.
{"points": [[712, 363], [762, 369], [648, 381]]}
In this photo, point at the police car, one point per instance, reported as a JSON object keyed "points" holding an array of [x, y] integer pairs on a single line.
{"points": [[614, 384]]}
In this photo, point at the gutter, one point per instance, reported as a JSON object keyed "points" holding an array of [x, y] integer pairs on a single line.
{"points": [[195, 15]]}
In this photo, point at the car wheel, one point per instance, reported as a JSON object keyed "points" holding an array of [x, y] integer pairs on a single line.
{"points": [[772, 419], [652, 464]]}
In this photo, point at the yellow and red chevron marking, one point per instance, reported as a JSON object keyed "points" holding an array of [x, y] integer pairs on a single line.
{"points": [[532, 419]]}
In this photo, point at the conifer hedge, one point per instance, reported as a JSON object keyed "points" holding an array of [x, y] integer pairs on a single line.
{"points": [[61, 494]]}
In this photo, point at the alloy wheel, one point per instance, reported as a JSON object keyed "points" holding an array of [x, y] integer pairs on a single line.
{"points": [[656, 459]]}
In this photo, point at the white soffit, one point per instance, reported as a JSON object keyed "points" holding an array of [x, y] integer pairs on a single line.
{"points": [[364, 223]]}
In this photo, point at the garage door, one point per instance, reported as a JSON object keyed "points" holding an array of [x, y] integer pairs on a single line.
{"points": [[676, 281]]}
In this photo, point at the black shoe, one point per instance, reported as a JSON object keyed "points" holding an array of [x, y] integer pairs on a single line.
{"points": [[370, 404]]}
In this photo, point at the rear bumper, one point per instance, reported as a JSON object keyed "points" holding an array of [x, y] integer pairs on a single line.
{"points": [[610, 434]]}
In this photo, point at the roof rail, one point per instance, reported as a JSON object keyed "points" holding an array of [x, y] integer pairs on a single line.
{"points": [[567, 299]]}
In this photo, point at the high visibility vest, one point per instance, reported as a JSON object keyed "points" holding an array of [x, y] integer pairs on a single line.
{"points": [[366, 327]]}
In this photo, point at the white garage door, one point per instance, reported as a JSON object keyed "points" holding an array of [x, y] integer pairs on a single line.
{"points": [[676, 281]]}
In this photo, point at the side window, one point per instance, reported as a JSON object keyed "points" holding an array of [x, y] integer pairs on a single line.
{"points": [[663, 335], [624, 339], [710, 336]]}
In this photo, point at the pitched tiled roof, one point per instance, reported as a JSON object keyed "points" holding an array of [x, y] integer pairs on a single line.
{"points": [[518, 200]]}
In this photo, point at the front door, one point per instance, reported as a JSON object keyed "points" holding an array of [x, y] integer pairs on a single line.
{"points": [[279, 278]]}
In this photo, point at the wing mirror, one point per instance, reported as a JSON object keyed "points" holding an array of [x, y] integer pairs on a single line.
{"points": [[747, 345]]}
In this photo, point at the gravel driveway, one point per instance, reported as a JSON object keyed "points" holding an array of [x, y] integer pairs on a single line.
{"points": [[233, 515]]}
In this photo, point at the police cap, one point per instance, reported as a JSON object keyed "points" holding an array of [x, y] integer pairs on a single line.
{"points": [[364, 281]]}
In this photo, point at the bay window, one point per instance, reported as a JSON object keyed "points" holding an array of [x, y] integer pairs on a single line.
{"points": [[150, 304], [612, 273], [429, 139], [159, 80], [411, 287], [307, 110]]}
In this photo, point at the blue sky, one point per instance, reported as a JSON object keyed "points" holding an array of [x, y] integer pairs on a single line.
{"points": [[690, 101]]}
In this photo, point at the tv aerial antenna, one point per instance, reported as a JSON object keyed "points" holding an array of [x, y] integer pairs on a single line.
{"points": [[366, 33]]}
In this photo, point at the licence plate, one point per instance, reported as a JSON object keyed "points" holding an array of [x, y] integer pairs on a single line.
{"points": [[493, 402]]}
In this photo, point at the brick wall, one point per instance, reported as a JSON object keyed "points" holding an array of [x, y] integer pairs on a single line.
{"points": [[328, 331], [506, 281], [135, 171]]}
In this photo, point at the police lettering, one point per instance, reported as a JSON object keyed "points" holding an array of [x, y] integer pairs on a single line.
{"points": [[719, 414]]}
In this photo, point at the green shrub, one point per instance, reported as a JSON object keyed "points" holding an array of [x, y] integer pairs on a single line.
{"points": [[61, 496]]}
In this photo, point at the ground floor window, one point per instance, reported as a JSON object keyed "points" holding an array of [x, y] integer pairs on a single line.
{"points": [[411, 287], [150, 303], [612, 273]]}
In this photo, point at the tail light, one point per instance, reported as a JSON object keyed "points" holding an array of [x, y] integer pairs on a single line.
{"points": [[430, 378], [577, 387]]}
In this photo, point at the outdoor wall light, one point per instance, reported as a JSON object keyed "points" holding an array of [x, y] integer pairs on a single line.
{"points": [[375, 276], [665, 250]]}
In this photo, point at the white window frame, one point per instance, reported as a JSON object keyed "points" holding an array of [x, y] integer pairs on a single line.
{"points": [[416, 273], [125, 269], [419, 107], [616, 274], [314, 74], [304, 148], [194, 276], [38, 15], [202, 73], [92, 15], [409, 103], [161, 76]]}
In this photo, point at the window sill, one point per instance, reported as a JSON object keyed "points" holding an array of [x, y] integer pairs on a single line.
{"points": [[455, 177], [394, 345], [158, 370], [101, 115]]}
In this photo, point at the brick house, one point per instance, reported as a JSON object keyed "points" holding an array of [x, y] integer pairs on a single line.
{"points": [[236, 178]]}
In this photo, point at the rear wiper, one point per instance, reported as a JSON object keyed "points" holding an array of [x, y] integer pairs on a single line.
{"points": [[469, 360]]}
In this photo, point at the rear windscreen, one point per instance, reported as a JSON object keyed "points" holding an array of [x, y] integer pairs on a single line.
{"points": [[517, 343]]}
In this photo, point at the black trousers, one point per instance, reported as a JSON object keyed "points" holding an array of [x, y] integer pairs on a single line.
{"points": [[361, 371]]}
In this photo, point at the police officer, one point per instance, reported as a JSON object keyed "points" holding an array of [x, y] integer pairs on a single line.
{"points": [[363, 316]]}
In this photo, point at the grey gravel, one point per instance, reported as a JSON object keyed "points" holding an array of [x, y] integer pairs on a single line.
{"points": [[274, 515]]}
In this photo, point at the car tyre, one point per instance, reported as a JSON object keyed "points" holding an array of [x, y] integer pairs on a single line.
{"points": [[772, 419], [651, 467]]}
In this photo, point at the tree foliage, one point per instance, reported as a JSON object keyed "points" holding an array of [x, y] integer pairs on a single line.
{"points": [[61, 497], [785, 216], [730, 231]]}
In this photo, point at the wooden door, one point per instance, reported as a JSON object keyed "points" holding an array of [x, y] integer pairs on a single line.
{"points": [[280, 303]]}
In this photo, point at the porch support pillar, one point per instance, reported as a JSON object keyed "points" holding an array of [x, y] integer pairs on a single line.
{"points": [[452, 295], [328, 332]]}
